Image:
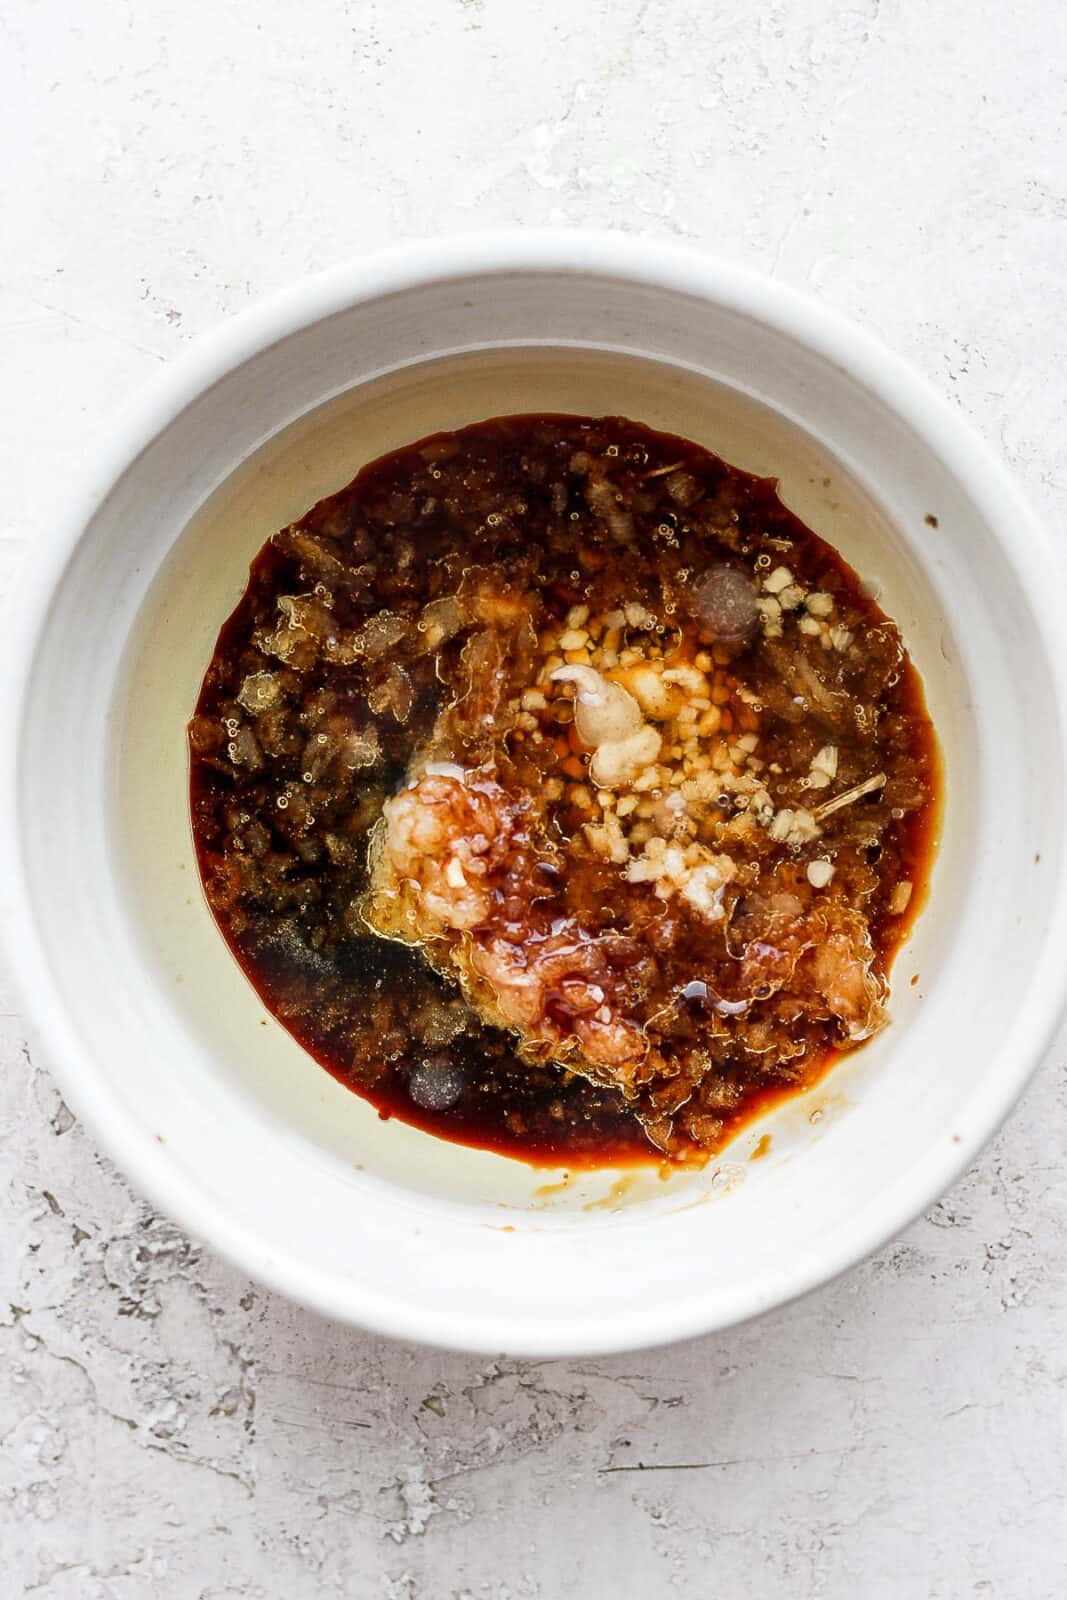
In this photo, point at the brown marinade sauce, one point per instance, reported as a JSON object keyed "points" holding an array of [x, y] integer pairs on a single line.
{"points": [[420, 614]]}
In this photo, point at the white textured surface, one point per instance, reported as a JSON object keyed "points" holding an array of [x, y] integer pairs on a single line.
{"points": [[169, 1430]]}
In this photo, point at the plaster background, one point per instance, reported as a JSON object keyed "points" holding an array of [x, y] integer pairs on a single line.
{"points": [[167, 1428]]}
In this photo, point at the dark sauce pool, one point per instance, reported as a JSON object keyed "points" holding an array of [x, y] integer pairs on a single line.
{"points": [[296, 744]]}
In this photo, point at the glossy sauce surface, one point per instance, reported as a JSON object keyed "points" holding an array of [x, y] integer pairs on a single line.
{"points": [[459, 563]]}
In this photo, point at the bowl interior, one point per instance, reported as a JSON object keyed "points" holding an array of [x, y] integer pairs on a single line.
{"points": [[198, 586], [225, 1116]]}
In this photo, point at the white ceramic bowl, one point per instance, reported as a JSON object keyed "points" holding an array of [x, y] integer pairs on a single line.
{"points": [[154, 1034]]}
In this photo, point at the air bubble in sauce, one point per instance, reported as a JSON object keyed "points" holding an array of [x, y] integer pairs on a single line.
{"points": [[436, 1084], [725, 601]]}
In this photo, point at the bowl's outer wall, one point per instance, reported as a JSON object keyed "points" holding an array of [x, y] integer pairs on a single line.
{"points": [[152, 1029]]}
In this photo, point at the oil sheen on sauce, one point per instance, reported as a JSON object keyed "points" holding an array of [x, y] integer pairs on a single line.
{"points": [[338, 666]]}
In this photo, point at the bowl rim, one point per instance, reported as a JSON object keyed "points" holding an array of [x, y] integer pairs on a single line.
{"points": [[154, 1170]]}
